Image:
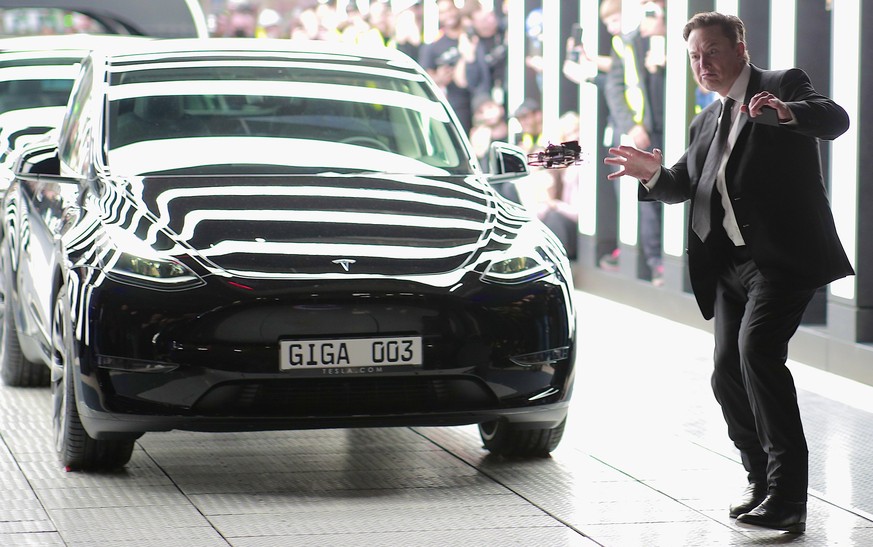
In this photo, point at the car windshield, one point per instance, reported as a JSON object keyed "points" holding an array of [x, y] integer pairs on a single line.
{"points": [[278, 115], [34, 83]]}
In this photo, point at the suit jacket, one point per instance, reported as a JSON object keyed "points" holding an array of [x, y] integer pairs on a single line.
{"points": [[775, 184]]}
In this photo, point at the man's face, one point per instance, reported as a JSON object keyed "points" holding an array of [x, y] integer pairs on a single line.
{"points": [[485, 22], [715, 62], [449, 14]]}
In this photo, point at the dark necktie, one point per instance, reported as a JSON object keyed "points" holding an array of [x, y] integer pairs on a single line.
{"points": [[701, 221]]}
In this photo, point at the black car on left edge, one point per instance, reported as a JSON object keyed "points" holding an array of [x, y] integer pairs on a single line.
{"points": [[250, 234]]}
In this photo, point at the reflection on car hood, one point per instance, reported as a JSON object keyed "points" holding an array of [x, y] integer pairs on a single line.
{"points": [[171, 155], [20, 127], [292, 226]]}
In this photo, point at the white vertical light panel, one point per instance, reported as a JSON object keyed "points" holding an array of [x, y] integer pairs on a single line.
{"points": [[731, 7], [844, 150], [515, 43], [628, 209], [675, 120], [628, 187], [430, 21], [552, 47], [589, 136], [783, 33]]}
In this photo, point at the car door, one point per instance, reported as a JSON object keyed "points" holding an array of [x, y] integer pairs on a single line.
{"points": [[48, 202]]}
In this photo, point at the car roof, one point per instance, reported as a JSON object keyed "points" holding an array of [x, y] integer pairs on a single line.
{"points": [[159, 18], [243, 46], [65, 45]]}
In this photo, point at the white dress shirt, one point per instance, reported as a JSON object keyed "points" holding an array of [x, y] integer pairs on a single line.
{"points": [[738, 94]]}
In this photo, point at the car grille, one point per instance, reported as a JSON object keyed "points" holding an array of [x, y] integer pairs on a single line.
{"points": [[346, 397]]}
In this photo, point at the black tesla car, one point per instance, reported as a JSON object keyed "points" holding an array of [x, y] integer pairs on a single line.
{"points": [[249, 235]]}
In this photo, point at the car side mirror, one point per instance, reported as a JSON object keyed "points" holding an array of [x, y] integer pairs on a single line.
{"points": [[39, 160], [506, 162]]}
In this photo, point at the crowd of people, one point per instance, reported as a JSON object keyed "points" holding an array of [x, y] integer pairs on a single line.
{"points": [[466, 58]]}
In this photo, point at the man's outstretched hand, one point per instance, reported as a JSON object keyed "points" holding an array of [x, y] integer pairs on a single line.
{"points": [[633, 162]]}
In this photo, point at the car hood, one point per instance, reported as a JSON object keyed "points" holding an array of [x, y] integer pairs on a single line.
{"points": [[288, 226]]}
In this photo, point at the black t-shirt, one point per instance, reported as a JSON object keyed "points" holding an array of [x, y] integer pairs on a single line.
{"points": [[430, 56]]}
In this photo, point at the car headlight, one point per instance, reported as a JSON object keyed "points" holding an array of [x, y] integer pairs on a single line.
{"points": [[168, 273], [526, 260], [139, 264]]}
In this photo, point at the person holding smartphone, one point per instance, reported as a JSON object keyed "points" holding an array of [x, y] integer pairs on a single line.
{"points": [[634, 91]]}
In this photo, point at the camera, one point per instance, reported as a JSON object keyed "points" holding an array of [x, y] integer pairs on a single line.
{"points": [[449, 57], [651, 10], [576, 33]]}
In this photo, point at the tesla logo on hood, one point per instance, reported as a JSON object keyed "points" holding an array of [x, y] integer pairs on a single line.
{"points": [[344, 262]]}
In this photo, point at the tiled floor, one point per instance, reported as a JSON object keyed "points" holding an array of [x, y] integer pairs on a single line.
{"points": [[645, 461]]}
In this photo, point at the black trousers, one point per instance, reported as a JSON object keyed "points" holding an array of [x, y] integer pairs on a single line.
{"points": [[754, 321]]}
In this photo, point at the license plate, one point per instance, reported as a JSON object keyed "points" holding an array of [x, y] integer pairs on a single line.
{"points": [[297, 355]]}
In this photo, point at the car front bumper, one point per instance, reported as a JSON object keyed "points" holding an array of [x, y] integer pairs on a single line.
{"points": [[208, 359]]}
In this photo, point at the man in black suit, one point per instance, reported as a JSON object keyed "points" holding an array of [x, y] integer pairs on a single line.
{"points": [[761, 239]]}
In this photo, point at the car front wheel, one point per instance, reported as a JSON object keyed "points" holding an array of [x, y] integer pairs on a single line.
{"points": [[77, 450], [503, 438]]}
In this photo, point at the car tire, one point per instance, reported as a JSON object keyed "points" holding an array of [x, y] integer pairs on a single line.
{"points": [[503, 438], [77, 450], [15, 369]]}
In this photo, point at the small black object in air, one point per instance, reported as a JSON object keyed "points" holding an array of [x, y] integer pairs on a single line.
{"points": [[556, 156]]}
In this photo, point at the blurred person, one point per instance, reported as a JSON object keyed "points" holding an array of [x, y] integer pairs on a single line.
{"points": [[447, 65], [578, 65], [761, 240], [581, 67], [242, 20], [310, 24], [653, 26], [489, 125], [380, 17], [269, 24], [529, 116], [352, 24], [329, 19], [488, 33], [558, 208], [533, 59], [407, 32], [634, 91], [356, 28]]}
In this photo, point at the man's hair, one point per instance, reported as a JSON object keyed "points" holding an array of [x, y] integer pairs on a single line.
{"points": [[731, 26], [609, 7]]}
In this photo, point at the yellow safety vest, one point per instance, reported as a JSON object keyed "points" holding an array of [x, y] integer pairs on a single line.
{"points": [[633, 93]]}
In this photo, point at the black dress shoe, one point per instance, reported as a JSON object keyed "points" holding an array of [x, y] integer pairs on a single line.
{"points": [[752, 497], [776, 514]]}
